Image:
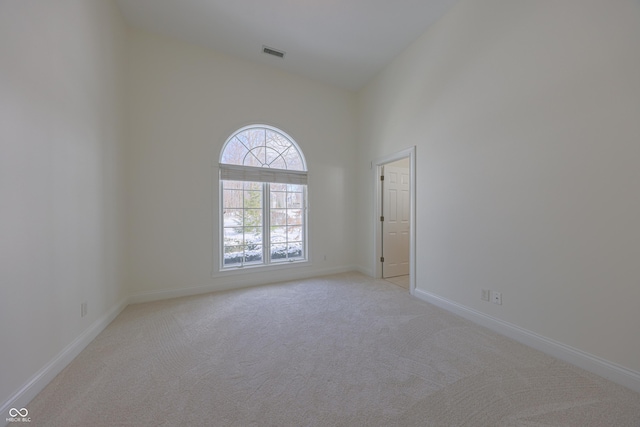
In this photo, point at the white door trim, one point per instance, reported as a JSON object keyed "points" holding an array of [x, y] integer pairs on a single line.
{"points": [[377, 247]]}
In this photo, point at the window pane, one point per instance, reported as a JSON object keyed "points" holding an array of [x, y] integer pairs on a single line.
{"points": [[278, 199], [234, 152], [253, 199], [278, 163], [278, 187], [278, 252], [255, 137], [232, 185], [252, 237], [243, 138], [294, 200], [232, 199], [294, 234], [253, 217], [271, 155], [253, 255], [293, 159], [252, 160], [295, 188], [277, 141], [233, 255], [257, 157], [254, 186], [278, 234], [294, 217], [278, 217], [233, 236], [295, 250], [233, 217]]}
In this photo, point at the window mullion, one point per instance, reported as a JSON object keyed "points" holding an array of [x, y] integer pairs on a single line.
{"points": [[244, 229], [221, 237], [266, 223], [305, 226], [286, 221]]}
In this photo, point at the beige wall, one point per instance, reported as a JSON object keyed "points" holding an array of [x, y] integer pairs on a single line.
{"points": [[61, 136], [525, 117], [184, 103]]}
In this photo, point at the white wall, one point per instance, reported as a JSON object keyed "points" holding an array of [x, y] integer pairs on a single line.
{"points": [[525, 115], [184, 103], [61, 136]]}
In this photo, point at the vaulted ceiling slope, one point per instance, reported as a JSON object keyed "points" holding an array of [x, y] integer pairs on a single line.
{"points": [[341, 42]]}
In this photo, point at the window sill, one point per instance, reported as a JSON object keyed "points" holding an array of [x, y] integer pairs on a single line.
{"points": [[253, 269]]}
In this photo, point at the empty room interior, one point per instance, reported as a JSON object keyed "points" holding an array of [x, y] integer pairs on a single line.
{"points": [[194, 229]]}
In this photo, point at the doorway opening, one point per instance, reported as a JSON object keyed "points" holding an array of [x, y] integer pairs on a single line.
{"points": [[394, 212]]}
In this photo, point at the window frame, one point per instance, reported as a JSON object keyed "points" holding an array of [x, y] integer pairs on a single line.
{"points": [[270, 176]]}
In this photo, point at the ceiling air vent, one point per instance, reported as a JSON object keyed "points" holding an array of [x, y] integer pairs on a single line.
{"points": [[271, 51]]}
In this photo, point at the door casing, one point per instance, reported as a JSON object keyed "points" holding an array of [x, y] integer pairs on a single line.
{"points": [[377, 252]]}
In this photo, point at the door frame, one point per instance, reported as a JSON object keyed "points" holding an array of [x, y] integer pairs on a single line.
{"points": [[377, 251]]}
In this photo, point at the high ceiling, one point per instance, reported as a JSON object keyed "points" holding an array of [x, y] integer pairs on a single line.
{"points": [[341, 42]]}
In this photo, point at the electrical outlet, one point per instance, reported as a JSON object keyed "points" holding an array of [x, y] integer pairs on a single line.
{"points": [[83, 309], [485, 295], [496, 298]]}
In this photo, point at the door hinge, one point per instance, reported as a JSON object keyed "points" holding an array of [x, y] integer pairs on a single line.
{"points": [[381, 218], [381, 259], [381, 177]]}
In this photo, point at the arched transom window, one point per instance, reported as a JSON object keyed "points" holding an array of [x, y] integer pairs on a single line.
{"points": [[263, 209]]}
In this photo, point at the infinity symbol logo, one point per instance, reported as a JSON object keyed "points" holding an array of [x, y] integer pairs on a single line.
{"points": [[13, 412]]}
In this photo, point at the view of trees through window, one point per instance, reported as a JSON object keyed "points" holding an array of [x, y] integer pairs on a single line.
{"points": [[263, 222], [262, 147]]}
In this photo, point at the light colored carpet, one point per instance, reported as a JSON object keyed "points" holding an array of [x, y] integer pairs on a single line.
{"points": [[342, 350]]}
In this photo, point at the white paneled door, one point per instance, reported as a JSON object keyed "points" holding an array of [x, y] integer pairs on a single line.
{"points": [[395, 221]]}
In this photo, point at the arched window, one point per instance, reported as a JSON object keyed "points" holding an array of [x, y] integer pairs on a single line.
{"points": [[263, 209]]}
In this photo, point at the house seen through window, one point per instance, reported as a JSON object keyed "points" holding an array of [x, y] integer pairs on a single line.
{"points": [[263, 187]]}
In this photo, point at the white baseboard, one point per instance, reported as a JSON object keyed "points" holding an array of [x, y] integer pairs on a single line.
{"points": [[35, 384], [616, 373]]}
